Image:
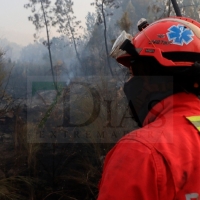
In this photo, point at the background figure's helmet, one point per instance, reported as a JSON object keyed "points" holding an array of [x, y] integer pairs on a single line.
{"points": [[173, 42]]}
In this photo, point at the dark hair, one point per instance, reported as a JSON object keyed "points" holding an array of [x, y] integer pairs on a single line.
{"points": [[184, 78]]}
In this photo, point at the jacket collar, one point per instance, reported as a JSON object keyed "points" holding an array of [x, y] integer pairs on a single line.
{"points": [[178, 104]]}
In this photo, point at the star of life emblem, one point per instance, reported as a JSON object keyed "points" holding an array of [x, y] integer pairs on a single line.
{"points": [[180, 35]]}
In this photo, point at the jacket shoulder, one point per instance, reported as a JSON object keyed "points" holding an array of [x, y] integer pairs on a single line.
{"points": [[130, 168]]}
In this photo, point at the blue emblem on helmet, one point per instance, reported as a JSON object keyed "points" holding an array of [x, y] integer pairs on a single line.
{"points": [[180, 35]]}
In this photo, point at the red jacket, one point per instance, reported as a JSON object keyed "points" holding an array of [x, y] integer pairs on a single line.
{"points": [[160, 161]]}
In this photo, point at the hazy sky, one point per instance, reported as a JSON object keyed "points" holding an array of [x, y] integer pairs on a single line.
{"points": [[14, 24]]}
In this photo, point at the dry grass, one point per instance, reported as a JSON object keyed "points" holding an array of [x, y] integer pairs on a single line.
{"points": [[55, 169]]}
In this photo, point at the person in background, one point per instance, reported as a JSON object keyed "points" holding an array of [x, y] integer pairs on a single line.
{"points": [[161, 159]]}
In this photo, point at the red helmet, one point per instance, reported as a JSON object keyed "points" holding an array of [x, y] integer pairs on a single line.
{"points": [[173, 41]]}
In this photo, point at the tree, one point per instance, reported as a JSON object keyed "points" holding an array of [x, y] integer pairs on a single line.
{"points": [[102, 7], [2, 71], [5, 73], [131, 14], [90, 23], [30, 52], [67, 23], [125, 22], [190, 9], [159, 9], [128, 18], [42, 18]]}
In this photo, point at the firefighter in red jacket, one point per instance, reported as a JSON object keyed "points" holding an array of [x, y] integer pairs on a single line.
{"points": [[160, 160]]}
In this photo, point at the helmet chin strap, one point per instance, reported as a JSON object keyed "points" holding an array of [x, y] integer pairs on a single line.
{"points": [[144, 92]]}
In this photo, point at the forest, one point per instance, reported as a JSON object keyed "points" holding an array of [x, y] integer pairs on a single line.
{"points": [[62, 106]]}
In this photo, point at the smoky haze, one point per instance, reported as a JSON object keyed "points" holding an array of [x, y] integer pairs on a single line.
{"points": [[83, 54]]}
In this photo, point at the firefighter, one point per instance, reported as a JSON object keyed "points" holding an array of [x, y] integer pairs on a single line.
{"points": [[161, 159]]}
